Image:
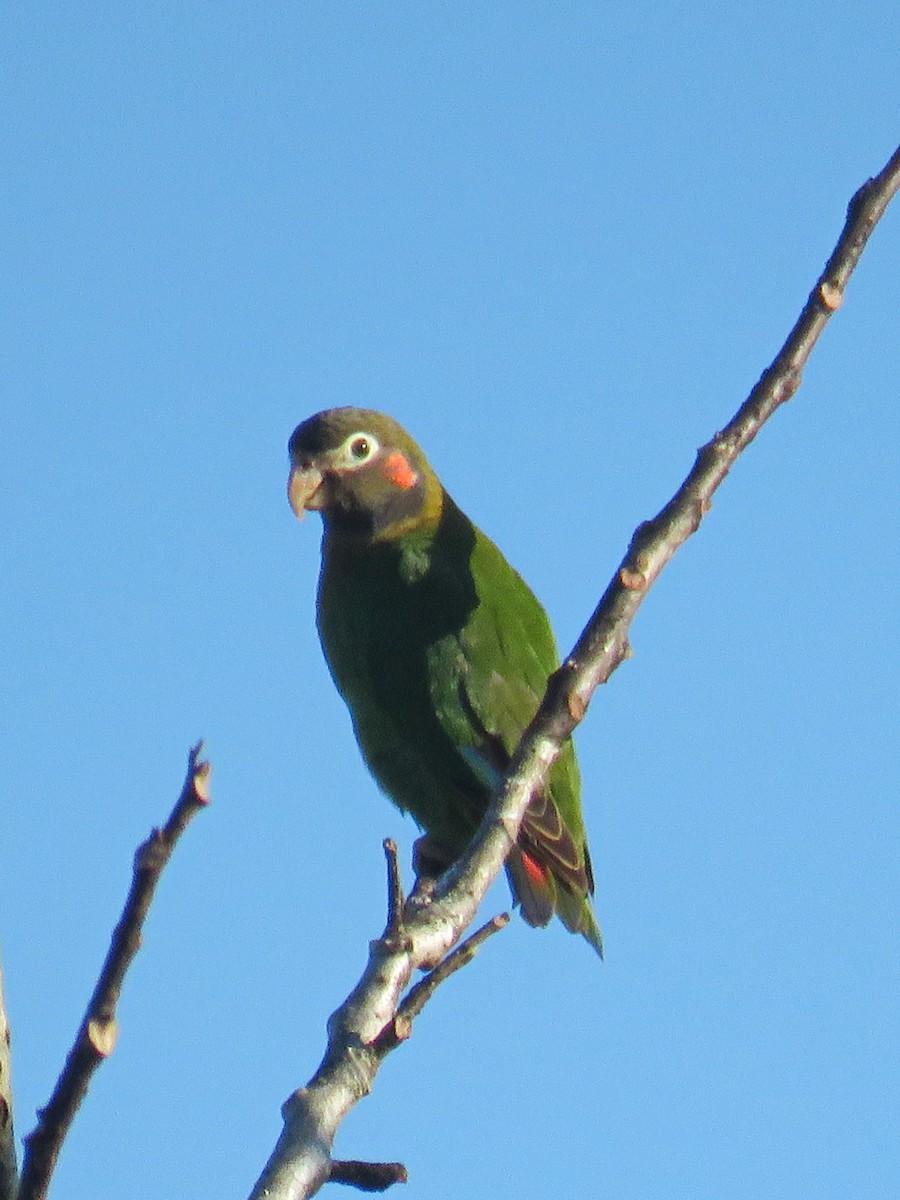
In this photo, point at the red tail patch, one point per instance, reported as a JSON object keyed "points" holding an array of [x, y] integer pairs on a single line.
{"points": [[536, 873]]}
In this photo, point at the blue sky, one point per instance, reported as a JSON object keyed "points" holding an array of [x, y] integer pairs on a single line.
{"points": [[559, 242]]}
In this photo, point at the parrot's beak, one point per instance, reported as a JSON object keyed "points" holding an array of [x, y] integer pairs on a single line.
{"points": [[303, 489]]}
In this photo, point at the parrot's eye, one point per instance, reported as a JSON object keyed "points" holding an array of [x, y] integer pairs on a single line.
{"points": [[358, 449]]}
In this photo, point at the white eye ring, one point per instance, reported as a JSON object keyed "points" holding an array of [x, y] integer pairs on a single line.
{"points": [[358, 449]]}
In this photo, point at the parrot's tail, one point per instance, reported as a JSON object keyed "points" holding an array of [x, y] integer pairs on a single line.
{"points": [[540, 895]]}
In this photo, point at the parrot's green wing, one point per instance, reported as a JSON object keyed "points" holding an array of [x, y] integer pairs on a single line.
{"points": [[487, 681]]}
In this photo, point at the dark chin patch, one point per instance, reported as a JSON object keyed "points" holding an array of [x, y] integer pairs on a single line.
{"points": [[397, 505]]}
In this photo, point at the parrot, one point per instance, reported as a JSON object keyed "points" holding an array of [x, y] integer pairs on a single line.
{"points": [[441, 652]]}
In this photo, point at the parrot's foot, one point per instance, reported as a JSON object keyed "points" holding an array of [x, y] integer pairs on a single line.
{"points": [[430, 859]]}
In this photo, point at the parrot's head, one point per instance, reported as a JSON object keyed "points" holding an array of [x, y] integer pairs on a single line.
{"points": [[363, 472]]}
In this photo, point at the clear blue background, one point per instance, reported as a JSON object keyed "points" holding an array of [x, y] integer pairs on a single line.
{"points": [[559, 242]]}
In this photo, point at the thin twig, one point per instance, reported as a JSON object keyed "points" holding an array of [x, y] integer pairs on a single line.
{"points": [[366, 1176], [300, 1162], [420, 993], [399, 1027], [395, 890], [96, 1036]]}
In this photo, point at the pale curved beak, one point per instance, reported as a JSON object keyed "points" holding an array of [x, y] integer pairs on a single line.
{"points": [[303, 489]]}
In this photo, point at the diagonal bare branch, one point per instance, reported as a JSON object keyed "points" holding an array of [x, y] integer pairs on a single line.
{"points": [[96, 1037], [432, 924], [603, 643]]}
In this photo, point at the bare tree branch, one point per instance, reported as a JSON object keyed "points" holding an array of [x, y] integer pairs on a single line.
{"points": [[366, 1026], [96, 1037], [9, 1180]]}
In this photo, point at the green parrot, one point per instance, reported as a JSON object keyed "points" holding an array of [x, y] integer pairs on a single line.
{"points": [[441, 652]]}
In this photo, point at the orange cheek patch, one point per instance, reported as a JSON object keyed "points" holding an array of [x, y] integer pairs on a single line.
{"points": [[398, 470]]}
